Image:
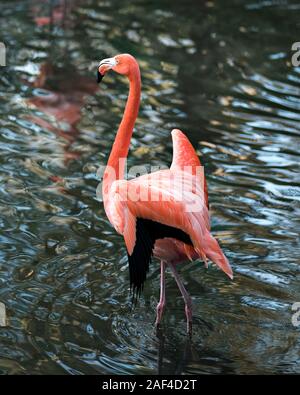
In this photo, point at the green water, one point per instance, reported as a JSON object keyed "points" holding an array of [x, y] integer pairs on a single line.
{"points": [[219, 70]]}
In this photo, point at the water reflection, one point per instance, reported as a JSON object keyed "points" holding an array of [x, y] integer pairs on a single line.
{"points": [[62, 107], [63, 272]]}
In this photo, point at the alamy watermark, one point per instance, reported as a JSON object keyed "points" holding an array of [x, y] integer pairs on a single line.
{"points": [[185, 185], [2, 54], [296, 315], [296, 56]]}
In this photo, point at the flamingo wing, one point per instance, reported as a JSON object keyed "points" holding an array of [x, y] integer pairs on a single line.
{"points": [[184, 156], [164, 204], [132, 212]]}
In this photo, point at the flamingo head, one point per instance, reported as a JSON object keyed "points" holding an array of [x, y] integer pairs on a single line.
{"points": [[121, 64]]}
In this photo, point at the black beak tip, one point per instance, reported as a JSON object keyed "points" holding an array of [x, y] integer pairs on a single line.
{"points": [[99, 77]]}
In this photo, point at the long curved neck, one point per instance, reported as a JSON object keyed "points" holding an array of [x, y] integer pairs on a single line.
{"points": [[116, 162]]}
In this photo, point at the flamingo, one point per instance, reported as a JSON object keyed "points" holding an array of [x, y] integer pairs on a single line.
{"points": [[162, 214]]}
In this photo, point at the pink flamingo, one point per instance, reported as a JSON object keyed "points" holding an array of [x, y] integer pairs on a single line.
{"points": [[165, 213]]}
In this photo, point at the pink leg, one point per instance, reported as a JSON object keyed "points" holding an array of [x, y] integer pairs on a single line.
{"points": [[186, 297], [162, 299]]}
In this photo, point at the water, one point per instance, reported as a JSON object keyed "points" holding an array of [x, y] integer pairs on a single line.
{"points": [[220, 72]]}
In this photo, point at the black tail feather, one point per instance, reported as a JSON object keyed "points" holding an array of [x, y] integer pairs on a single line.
{"points": [[147, 232]]}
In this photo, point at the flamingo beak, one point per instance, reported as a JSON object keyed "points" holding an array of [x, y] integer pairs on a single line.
{"points": [[104, 66], [99, 77]]}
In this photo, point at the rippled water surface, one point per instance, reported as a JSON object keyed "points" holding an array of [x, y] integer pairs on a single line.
{"points": [[219, 70]]}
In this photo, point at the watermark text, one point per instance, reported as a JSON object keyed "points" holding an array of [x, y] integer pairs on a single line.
{"points": [[2, 54], [296, 315], [183, 185], [296, 56]]}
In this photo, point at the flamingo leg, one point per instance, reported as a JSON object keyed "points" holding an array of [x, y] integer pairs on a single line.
{"points": [[162, 300], [186, 297]]}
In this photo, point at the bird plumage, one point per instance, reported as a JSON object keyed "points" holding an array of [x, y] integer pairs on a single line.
{"points": [[174, 198], [162, 214]]}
